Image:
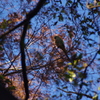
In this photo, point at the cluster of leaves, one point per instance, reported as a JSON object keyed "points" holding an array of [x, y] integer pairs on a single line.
{"points": [[5, 82], [47, 65]]}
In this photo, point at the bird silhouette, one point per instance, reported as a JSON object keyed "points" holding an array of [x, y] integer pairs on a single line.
{"points": [[60, 44]]}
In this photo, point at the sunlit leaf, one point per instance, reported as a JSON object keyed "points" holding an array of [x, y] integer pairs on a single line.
{"points": [[75, 62], [72, 74], [98, 88], [95, 97], [71, 79], [85, 64]]}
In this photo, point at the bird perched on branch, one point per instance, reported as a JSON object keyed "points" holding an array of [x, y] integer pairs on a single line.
{"points": [[60, 44]]}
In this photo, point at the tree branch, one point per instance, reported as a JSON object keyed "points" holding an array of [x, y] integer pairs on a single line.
{"points": [[22, 44], [75, 93], [31, 14]]}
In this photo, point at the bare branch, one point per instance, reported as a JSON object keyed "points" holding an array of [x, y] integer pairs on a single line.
{"points": [[75, 93]]}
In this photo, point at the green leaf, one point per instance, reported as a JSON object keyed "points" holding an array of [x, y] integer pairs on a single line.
{"points": [[9, 22], [82, 75], [80, 56], [71, 79], [2, 77], [60, 94], [65, 87], [67, 76], [60, 17], [95, 97], [7, 81], [98, 3], [1, 48], [72, 74], [11, 88], [63, 11], [3, 25], [98, 88], [69, 1], [75, 62], [99, 52], [57, 9], [91, 4]]}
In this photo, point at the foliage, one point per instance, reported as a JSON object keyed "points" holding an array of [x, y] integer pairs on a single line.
{"points": [[48, 68]]}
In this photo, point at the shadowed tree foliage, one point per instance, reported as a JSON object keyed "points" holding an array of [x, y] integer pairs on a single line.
{"points": [[27, 40]]}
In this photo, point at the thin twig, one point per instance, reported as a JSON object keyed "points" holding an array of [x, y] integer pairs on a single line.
{"points": [[76, 93]]}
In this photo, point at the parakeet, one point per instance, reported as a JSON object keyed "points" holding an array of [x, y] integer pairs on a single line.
{"points": [[60, 44]]}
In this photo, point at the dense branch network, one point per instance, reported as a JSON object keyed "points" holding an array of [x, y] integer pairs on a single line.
{"points": [[30, 15]]}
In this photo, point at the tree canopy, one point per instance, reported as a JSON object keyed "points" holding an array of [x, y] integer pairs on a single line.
{"points": [[32, 66]]}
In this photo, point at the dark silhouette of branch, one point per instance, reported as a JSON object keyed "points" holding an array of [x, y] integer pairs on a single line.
{"points": [[37, 89], [32, 67], [22, 44], [10, 62], [75, 93]]}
